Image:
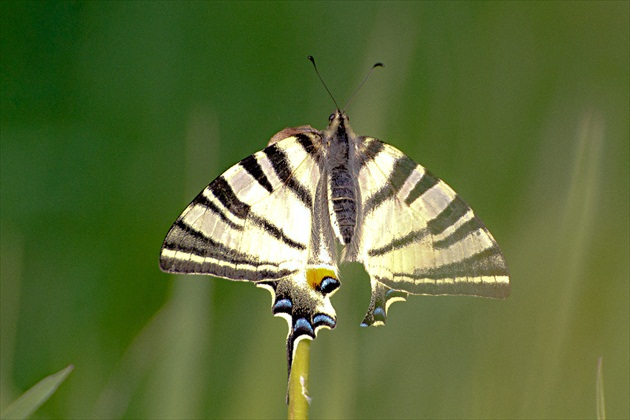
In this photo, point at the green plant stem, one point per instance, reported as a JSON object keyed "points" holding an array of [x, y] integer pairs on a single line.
{"points": [[299, 400]]}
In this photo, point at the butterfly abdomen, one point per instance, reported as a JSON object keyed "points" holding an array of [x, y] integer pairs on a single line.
{"points": [[343, 201]]}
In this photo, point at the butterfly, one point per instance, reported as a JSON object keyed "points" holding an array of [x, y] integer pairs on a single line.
{"points": [[279, 217]]}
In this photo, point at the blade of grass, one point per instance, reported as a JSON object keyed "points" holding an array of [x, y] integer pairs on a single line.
{"points": [[599, 390], [39, 393]]}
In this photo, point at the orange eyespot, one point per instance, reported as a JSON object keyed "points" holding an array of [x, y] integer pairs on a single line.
{"points": [[322, 279]]}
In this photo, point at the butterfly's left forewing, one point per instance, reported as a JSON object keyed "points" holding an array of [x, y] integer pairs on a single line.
{"points": [[418, 236], [254, 221]]}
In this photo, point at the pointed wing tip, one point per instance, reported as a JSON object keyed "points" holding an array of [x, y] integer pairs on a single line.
{"points": [[502, 288], [504, 292], [499, 291], [165, 265], [171, 266]]}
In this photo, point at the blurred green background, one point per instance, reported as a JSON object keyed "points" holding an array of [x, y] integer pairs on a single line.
{"points": [[115, 115]]}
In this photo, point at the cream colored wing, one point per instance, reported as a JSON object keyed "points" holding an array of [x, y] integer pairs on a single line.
{"points": [[418, 236], [254, 221]]}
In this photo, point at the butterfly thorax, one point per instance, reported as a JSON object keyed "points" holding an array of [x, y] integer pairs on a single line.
{"points": [[342, 185]]}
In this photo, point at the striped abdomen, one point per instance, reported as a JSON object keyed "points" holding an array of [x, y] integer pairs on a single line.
{"points": [[343, 199]]}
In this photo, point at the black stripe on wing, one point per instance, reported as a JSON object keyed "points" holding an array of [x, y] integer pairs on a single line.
{"points": [[251, 165], [464, 230], [276, 232], [203, 201], [307, 143], [488, 263], [372, 148], [402, 170], [283, 170], [449, 216], [223, 191], [279, 162], [425, 183], [398, 243], [190, 241]]}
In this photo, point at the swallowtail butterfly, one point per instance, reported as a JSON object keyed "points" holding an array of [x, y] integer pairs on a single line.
{"points": [[274, 219]]}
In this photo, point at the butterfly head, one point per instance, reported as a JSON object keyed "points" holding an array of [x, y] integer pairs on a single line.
{"points": [[338, 127]]}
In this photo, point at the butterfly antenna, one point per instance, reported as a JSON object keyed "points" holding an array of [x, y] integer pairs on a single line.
{"points": [[312, 60], [362, 83]]}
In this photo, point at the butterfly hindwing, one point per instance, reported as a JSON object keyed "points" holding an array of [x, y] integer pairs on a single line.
{"points": [[418, 236], [253, 222], [304, 301]]}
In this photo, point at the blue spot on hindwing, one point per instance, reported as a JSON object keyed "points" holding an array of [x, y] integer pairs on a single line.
{"points": [[283, 305], [329, 285], [324, 320], [303, 326], [379, 314]]}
